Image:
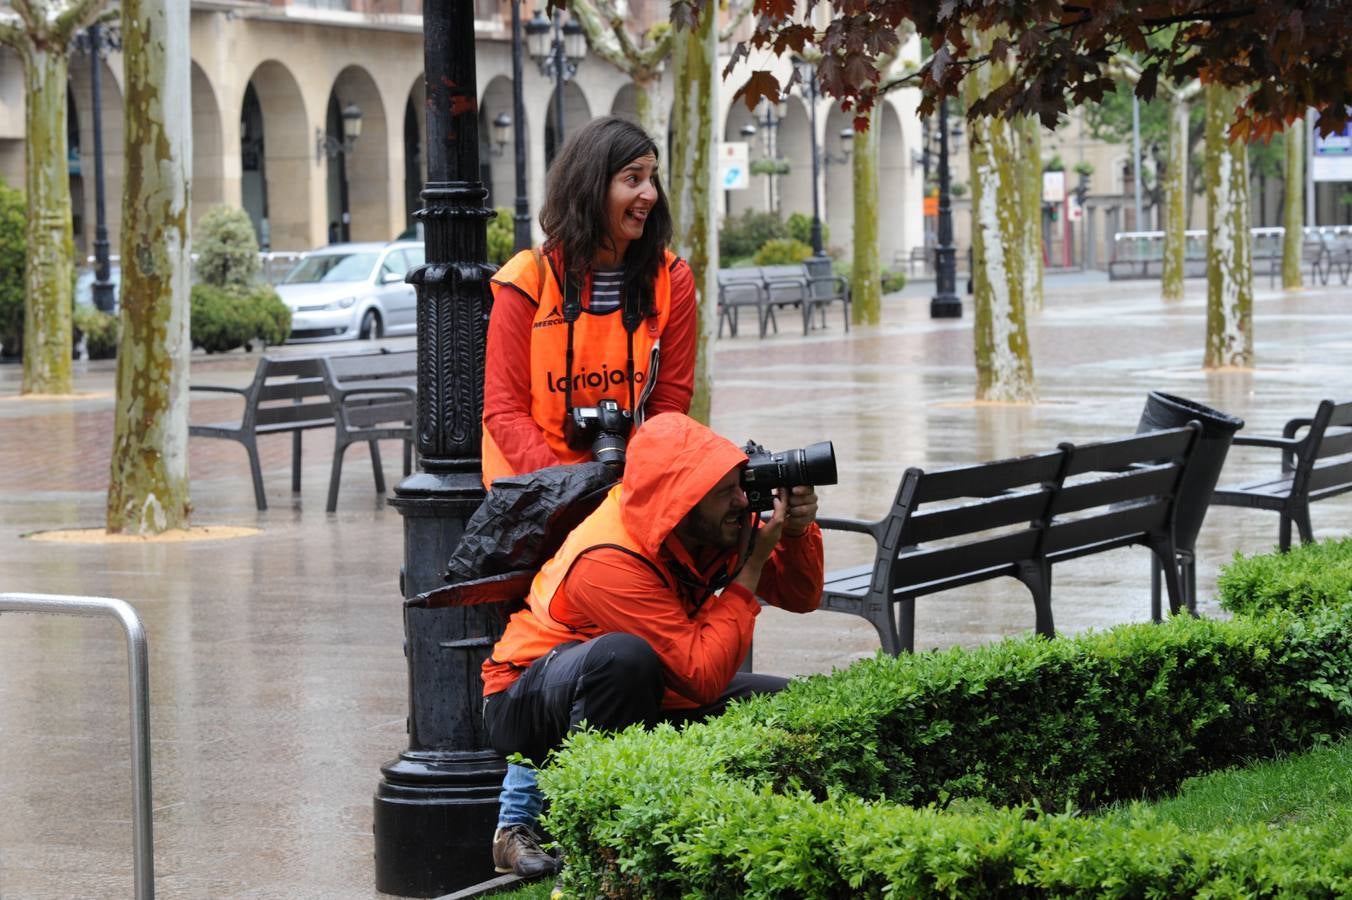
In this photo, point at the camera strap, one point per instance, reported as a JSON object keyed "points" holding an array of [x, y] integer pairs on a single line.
{"points": [[572, 311]]}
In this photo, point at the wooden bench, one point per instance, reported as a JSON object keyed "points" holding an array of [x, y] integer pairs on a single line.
{"points": [[1315, 466], [373, 398], [1014, 518], [286, 396]]}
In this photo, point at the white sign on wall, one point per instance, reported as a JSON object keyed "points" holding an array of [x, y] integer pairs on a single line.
{"points": [[734, 160], [1053, 187], [1331, 157]]}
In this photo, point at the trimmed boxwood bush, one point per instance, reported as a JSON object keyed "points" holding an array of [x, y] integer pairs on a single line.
{"points": [[13, 262], [223, 319], [782, 252], [963, 773], [99, 330], [1308, 576]]}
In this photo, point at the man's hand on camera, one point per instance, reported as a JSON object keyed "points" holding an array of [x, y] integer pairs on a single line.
{"points": [[802, 510]]}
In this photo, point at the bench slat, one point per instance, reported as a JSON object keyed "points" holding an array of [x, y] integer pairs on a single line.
{"points": [[1120, 454], [936, 565], [1121, 523], [1156, 481], [1000, 512], [988, 479]]}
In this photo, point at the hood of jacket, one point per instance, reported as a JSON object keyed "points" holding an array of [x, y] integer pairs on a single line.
{"points": [[671, 463]]}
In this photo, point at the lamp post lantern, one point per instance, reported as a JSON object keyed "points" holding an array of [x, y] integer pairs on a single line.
{"points": [[945, 304], [558, 56], [436, 805], [327, 145]]}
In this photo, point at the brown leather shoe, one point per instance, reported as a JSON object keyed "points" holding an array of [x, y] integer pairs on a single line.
{"points": [[516, 849]]}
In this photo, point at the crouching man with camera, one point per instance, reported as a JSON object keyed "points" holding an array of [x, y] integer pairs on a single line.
{"points": [[647, 610]]}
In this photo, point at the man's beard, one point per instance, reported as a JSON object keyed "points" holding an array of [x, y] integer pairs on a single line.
{"points": [[710, 532]]}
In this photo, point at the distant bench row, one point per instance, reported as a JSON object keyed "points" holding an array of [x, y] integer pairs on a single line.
{"points": [[808, 288], [362, 396]]}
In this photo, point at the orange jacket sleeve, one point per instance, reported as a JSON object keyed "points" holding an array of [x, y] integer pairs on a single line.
{"points": [[507, 382], [617, 591], [676, 369], [793, 576]]}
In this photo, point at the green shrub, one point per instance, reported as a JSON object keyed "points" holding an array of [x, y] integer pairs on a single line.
{"points": [[13, 254], [501, 236], [893, 280], [1307, 577], [224, 319], [800, 229], [742, 236], [782, 252], [227, 249], [99, 330], [811, 792]]}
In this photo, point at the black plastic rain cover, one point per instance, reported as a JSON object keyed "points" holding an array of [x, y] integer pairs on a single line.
{"points": [[525, 518]]}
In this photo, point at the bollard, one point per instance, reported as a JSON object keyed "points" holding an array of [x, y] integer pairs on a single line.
{"points": [[138, 688]]}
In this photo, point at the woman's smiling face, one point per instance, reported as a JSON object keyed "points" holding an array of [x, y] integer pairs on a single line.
{"points": [[631, 196]]}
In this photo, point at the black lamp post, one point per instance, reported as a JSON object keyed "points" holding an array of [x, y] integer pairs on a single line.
{"points": [[327, 145], [436, 805], [769, 116], [96, 42], [945, 303], [521, 219], [807, 75], [557, 56]]}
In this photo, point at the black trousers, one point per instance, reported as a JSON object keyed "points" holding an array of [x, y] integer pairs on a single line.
{"points": [[609, 683]]}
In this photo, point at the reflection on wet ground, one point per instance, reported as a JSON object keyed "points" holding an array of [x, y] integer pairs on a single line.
{"points": [[277, 676]]}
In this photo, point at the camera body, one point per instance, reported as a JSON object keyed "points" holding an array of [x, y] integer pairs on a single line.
{"points": [[604, 428], [814, 464]]}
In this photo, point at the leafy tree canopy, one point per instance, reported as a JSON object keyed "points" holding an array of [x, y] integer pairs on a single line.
{"points": [[1291, 55]]}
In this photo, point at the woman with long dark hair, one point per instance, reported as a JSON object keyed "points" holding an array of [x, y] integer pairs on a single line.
{"points": [[591, 314], [603, 311]]}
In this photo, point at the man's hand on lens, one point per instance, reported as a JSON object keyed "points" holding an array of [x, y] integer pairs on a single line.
{"points": [[801, 511]]}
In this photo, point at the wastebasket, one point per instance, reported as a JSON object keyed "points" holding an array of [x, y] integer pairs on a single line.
{"points": [[1199, 479]]}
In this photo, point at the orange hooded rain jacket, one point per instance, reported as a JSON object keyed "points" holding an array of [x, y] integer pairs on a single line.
{"points": [[622, 570]]}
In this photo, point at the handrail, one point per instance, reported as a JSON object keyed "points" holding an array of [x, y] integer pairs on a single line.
{"points": [[143, 842]]}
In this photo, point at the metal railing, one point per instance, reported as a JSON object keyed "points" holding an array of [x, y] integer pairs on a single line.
{"points": [[143, 842]]}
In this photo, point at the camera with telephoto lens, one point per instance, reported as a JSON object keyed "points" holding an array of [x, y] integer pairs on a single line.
{"points": [[814, 464], [604, 427]]}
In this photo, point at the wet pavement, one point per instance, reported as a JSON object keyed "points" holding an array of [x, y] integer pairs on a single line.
{"points": [[277, 677]]}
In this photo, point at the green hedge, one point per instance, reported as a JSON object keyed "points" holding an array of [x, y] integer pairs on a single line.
{"points": [[13, 261], [1309, 576], [99, 330], [223, 319], [837, 786]]}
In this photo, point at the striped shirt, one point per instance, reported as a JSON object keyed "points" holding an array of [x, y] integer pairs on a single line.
{"points": [[605, 292]]}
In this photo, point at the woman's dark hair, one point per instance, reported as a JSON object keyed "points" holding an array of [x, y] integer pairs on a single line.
{"points": [[574, 216]]}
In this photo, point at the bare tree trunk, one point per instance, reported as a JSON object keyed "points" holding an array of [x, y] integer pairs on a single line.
{"points": [[148, 492], [1028, 133], [1004, 364], [48, 277], [1293, 212], [693, 174], [865, 270], [1229, 268], [1175, 200]]}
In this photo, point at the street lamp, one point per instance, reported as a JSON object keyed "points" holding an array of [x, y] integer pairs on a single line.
{"points": [[945, 303], [521, 218], [327, 145], [501, 122], [436, 805], [769, 116], [558, 55], [96, 43], [807, 76]]}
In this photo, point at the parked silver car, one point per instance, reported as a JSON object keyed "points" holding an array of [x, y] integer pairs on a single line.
{"points": [[352, 291]]}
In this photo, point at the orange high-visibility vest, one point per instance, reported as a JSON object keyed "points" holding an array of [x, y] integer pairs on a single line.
{"points": [[532, 632], [600, 354]]}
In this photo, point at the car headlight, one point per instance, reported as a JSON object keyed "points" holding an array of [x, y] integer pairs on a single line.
{"points": [[342, 304]]}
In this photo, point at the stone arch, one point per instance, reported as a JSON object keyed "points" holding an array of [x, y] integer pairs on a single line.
{"points": [[415, 150], [625, 104], [497, 164], [576, 113], [795, 146], [894, 158], [208, 163], [757, 194], [276, 149], [363, 172], [837, 199], [80, 92]]}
